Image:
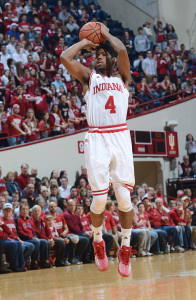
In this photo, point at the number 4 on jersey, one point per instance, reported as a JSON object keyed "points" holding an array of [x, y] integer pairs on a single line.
{"points": [[110, 105]]}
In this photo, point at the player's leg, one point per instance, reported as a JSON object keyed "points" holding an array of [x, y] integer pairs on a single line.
{"points": [[97, 163], [126, 218]]}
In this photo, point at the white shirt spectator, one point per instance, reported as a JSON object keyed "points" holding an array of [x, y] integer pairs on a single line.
{"points": [[65, 73], [64, 192], [64, 16], [4, 58], [10, 48], [20, 57], [72, 26], [150, 66]]}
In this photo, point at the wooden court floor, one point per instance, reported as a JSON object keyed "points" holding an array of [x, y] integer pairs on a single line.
{"points": [[168, 277]]}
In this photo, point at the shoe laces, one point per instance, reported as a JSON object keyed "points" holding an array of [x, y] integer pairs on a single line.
{"points": [[126, 253], [100, 251]]}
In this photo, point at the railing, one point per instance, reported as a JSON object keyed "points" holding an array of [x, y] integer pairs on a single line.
{"points": [[143, 104]]}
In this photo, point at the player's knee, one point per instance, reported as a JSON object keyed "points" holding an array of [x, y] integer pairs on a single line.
{"points": [[125, 206], [98, 204]]}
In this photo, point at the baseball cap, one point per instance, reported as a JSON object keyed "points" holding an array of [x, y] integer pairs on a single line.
{"points": [[14, 24], [7, 205], [7, 4], [146, 196], [180, 193], [16, 106], [185, 198]]}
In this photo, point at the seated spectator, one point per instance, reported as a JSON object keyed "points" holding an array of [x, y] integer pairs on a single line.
{"points": [[43, 232], [39, 30], [12, 185], [11, 46], [84, 17], [29, 194], [63, 16], [179, 218], [188, 173], [18, 56], [193, 221], [44, 14], [62, 230], [23, 26], [163, 221], [155, 90], [31, 34], [10, 242], [144, 93], [170, 95], [64, 188], [159, 194], [137, 64], [26, 232], [15, 123], [13, 31], [141, 42], [75, 227], [59, 7], [30, 81]]}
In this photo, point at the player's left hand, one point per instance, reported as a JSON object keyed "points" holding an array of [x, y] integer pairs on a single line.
{"points": [[104, 30]]}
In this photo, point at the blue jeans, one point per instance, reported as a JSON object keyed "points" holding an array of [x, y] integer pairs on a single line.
{"points": [[27, 249], [153, 236], [13, 140], [171, 232], [15, 252], [41, 251], [160, 243], [82, 245]]}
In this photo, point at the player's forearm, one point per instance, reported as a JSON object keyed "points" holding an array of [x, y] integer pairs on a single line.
{"points": [[72, 51], [116, 43]]}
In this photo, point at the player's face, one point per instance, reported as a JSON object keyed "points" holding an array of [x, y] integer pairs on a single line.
{"points": [[103, 61]]}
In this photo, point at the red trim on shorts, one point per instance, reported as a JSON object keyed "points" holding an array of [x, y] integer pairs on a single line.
{"points": [[108, 127], [100, 194], [100, 190], [130, 187], [107, 131]]}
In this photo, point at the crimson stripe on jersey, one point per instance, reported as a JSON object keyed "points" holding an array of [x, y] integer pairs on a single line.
{"points": [[105, 127], [108, 131], [90, 80]]}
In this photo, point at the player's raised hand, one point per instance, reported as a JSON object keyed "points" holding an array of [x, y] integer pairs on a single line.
{"points": [[104, 30], [88, 45]]}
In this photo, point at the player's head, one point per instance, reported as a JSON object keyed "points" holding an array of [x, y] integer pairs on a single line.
{"points": [[106, 59]]}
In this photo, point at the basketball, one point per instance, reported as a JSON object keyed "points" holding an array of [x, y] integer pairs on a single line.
{"points": [[92, 32]]}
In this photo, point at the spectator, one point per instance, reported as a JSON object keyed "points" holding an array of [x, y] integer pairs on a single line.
{"points": [[8, 241], [63, 16], [75, 227], [148, 31], [188, 173], [3, 125], [163, 65], [15, 123], [12, 185], [3, 186], [4, 56], [3, 263], [141, 42], [149, 66], [23, 178], [23, 26], [129, 45], [190, 147], [64, 188], [33, 125], [179, 218], [164, 221], [72, 26], [58, 82], [159, 194], [13, 31], [160, 34], [144, 93], [29, 194], [172, 36], [82, 176]]}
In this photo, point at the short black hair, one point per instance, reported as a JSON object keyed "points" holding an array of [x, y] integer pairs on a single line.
{"points": [[107, 48]]}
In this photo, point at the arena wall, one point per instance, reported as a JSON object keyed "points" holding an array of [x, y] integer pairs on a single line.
{"points": [[133, 13], [62, 153]]}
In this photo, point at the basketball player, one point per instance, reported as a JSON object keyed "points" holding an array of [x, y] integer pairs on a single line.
{"points": [[108, 150]]}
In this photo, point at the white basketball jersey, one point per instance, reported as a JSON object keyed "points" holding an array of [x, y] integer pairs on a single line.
{"points": [[107, 101]]}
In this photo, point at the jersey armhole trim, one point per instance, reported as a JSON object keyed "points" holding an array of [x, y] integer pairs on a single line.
{"points": [[90, 80]]}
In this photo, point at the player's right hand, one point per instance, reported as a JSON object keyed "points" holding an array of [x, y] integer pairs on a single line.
{"points": [[88, 45]]}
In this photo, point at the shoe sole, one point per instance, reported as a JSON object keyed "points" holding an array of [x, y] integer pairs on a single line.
{"points": [[122, 274], [102, 270]]}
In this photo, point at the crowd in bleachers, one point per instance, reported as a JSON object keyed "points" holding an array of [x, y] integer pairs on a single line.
{"points": [[39, 98], [46, 222]]}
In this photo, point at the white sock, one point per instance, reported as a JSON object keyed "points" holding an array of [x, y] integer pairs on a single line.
{"points": [[97, 234], [126, 236]]}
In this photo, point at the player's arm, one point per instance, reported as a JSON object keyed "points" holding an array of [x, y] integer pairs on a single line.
{"points": [[122, 59], [74, 67]]}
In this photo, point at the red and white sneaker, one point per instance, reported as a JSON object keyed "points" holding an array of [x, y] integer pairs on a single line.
{"points": [[101, 259], [124, 264]]}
